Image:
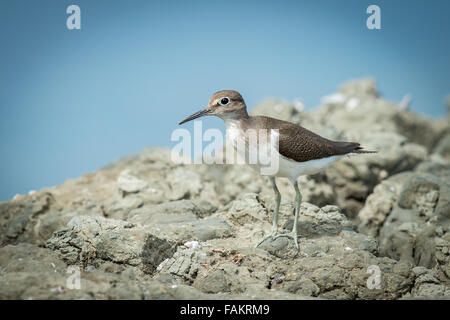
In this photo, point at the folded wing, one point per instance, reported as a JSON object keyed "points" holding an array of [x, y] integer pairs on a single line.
{"points": [[300, 144]]}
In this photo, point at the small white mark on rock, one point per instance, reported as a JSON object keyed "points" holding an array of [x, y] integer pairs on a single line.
{"points": [[352, 104], [161, 265], [192, 244], [278, 107], [58, 289], [298, 104], [348, 249], [336, 98], [405, 102], [383, 174], [90, 268], [130, 184]]}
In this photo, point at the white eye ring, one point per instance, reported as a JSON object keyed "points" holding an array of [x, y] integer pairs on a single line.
{"points": [[227, 101]]}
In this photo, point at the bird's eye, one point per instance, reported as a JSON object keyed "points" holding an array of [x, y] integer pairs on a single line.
{"points": [[224, 101]]}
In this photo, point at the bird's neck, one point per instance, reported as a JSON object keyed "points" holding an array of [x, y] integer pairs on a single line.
{"points": [[234, 118]]}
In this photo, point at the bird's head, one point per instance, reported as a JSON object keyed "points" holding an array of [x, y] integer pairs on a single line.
{"points": [[224, 104]]}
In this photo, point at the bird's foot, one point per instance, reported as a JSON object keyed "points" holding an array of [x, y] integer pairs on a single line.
{"points": [[273, 235], [293, 235]]}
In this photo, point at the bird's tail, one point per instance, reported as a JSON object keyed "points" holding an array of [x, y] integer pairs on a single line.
{"points": [[343, 148], [359, 149]]}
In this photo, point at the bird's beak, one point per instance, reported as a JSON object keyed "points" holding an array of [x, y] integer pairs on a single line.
{"points": [[196, 115]]}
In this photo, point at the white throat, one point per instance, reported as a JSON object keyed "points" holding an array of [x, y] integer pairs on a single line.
{"points": [[230, 122]]}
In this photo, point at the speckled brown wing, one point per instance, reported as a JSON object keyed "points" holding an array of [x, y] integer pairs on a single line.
{"points": [[300, 144]]}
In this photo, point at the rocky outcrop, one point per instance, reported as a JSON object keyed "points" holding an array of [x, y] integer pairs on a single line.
{"points": [[409, 214], [91, 241], [143, 227]]}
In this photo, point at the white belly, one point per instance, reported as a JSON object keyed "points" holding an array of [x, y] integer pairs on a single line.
{"points": [[292, 169], [287, 168]]}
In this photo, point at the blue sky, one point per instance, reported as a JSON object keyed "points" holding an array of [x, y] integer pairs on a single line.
{"points": [[72, 101]]}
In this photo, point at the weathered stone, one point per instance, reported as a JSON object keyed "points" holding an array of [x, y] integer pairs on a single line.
{"points": [[90, 241], [127, 183]]}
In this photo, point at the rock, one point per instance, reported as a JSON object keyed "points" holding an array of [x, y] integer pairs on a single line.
{"points": [[379, 204], [192, 244], [372, 111], [420, 192], [213, 282], [436, 168], [34, 273], [184, 183], [28, 219], [303, 286], [127, 183], [317, 275], [279, 109], [184, 264], [315, 221], [409, 213], [443, 147], [354, 178], [427, 285], [155, 251], [362, 89], [119, 207], [195, 209], [91, 241], [179, 220], [332, 262]]}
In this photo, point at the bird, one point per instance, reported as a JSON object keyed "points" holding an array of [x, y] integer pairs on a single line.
{"points": [[299, 151]]}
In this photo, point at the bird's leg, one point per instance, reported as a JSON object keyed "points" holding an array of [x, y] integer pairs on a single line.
{"points": [[277, 206], [298, 201], [294, 233], [275, 212]]}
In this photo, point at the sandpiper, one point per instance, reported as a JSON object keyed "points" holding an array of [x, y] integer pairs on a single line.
{"points": [[300, 151]]}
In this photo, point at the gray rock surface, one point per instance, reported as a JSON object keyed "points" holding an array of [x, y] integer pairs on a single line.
{"points": [[409, 215], [91, 241], [143, 227], [332, 263]]}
